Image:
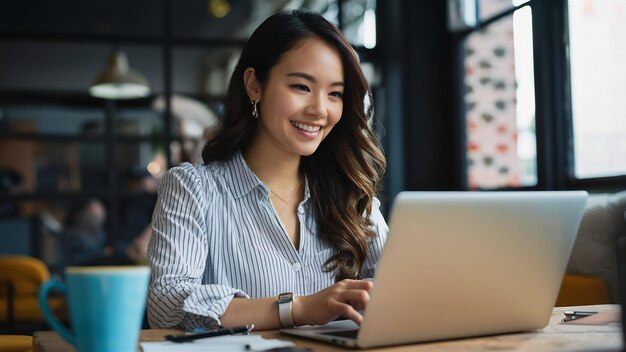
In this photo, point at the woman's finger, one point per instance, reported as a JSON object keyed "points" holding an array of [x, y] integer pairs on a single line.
{"points": [[347, 311], [360, 297], [357, 284]]}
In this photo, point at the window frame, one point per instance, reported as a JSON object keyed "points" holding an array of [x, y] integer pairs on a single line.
{"points": [[602, 184], [553, 112]]}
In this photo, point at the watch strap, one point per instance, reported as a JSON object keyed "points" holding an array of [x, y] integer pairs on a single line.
{"points": [[285, 305]]}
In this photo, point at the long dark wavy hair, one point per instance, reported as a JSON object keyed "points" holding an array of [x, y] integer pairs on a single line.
{"points": [[344, 173]]}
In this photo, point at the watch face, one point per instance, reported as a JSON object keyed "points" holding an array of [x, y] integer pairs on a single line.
{"points": [[285, 297]]}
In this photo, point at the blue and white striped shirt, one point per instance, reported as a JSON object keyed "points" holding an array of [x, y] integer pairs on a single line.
{"points": [[217, 236]]}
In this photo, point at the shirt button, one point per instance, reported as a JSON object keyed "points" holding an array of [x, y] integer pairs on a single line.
{"points": [[296, 266], [301, 210]]}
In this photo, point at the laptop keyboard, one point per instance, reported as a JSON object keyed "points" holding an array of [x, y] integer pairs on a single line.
{"points": [[346, 333]]}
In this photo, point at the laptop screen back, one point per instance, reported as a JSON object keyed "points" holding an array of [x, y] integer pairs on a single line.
{"points": [[460, 264]]}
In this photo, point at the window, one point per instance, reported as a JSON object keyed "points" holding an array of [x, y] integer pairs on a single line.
{"points": [[359, 22], [597, 30], [500, 100]]}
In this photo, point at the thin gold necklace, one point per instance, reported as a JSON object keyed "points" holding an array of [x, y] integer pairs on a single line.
{"points": [[293, 193]]}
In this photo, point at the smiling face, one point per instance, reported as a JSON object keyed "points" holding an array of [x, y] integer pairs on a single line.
{"points": [[302, 99]]}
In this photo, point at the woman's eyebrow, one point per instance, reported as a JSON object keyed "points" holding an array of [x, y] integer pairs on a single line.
{"points": [[312, 79]]}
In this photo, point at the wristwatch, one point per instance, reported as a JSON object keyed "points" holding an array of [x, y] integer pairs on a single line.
{"points": [[285, 303]]}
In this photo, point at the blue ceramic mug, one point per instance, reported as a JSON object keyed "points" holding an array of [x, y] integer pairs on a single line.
{"points": [[106, 306]]}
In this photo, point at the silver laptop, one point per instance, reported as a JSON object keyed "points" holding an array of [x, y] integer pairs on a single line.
{"points": [[461, 264]]}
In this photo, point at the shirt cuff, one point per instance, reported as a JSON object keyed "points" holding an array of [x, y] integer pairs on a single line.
{"points": [[205, 306]]}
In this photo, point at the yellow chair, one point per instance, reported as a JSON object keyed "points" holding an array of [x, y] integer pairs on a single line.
{"points": [[20, 279], [578, 290], [16, 343]]}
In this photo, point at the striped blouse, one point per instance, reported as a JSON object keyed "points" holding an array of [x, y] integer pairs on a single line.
{"points": [[217, 236]]}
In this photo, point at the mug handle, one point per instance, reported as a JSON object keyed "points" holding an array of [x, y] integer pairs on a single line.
{"points": [[56, 325]]}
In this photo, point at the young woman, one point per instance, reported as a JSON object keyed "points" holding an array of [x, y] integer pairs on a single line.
{"points": [[284, 204]]}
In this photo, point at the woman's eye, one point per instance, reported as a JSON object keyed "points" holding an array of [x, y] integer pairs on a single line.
{"points": [[300, 87], [337, 94]]}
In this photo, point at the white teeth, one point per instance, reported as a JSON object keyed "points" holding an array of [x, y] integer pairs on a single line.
{"points": [[307, 128]]}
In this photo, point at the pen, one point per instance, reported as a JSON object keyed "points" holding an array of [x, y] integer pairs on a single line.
{"points": [[219, 332], [575, 314]]}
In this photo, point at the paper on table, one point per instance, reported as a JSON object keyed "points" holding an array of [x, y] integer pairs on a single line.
{"points": [[231, 343]]}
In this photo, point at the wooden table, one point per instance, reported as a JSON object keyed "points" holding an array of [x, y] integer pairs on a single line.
{"points": [[554, 337]]}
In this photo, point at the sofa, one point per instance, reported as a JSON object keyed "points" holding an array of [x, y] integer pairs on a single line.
{"points": [[591, 276]]}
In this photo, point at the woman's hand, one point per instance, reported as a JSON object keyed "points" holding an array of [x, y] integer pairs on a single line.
{"points": [[345, 298]]}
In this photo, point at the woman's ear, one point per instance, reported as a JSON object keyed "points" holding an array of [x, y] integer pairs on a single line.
{"points": [[253, 86]]}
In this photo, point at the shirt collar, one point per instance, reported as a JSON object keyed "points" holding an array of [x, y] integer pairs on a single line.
{"points": [[243, 180]]}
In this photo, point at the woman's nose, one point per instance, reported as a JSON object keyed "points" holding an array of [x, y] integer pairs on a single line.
{"points": [[317, 106]]}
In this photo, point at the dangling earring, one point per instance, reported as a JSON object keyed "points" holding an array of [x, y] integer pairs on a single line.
{"points": [[255, 111]]}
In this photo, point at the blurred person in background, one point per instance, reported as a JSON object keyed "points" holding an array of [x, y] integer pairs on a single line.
{"points": [[10, 183], [135, 215], [84, 237]]}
